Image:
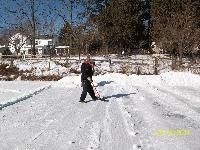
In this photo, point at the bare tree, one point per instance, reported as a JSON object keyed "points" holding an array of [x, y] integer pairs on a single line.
{"points": [[33, 23], [20, 12], [65, 11]]}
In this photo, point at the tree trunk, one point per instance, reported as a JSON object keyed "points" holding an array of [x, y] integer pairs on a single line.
{"points": [[174, 60], [180, 57], [34, 27], [71, 23]]}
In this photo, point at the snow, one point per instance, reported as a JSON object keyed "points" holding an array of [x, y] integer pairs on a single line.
{"points": [[40, 68], [145, 64], [16, 91], [69, 82], [63, 47], [139, 112]]}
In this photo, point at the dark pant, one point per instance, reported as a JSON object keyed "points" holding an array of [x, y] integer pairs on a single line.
{"points": [[87, 87]]}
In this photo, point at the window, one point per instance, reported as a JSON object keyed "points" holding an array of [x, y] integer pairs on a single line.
{"points": [[36, 42], [49, 42]]}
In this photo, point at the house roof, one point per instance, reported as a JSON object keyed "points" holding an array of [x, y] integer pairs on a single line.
{"points": [[61, 47]]}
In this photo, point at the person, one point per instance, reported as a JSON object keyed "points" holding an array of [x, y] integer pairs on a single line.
{"points": [[87, 70]]}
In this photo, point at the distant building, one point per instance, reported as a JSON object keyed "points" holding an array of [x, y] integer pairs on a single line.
{"points": [[23, 44], [62, 50], [42, 46], [2, 46]]}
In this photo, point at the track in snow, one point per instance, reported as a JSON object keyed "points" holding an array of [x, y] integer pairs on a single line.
{"points": [[54, 119]]}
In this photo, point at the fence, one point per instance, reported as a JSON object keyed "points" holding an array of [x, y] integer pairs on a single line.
{"points": [[148, 65]]}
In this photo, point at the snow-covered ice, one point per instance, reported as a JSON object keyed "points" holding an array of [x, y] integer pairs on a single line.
{"points": [[139, 112]]}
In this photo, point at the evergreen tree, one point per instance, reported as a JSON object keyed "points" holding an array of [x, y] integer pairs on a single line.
{"points": [[65, 32], [175, 25], [117, 23]]}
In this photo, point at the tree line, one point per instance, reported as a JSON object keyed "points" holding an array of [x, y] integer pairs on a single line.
{"points": [[115, 25]]}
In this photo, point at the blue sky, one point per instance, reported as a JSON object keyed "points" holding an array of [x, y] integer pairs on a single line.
{"points": [[42, 7]]}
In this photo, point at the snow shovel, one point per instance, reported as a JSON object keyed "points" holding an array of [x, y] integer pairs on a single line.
{"points": [[95, 89]]}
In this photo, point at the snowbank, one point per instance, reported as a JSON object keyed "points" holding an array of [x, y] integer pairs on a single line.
{"points": [[69, 82], [168, 79]]}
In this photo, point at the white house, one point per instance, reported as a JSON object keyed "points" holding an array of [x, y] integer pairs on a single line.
{"points": [[21, 42], [1, 46], [17, 41], [40, 45]]}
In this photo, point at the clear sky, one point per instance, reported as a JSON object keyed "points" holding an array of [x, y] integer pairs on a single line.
{"points": [[46, 10]]}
